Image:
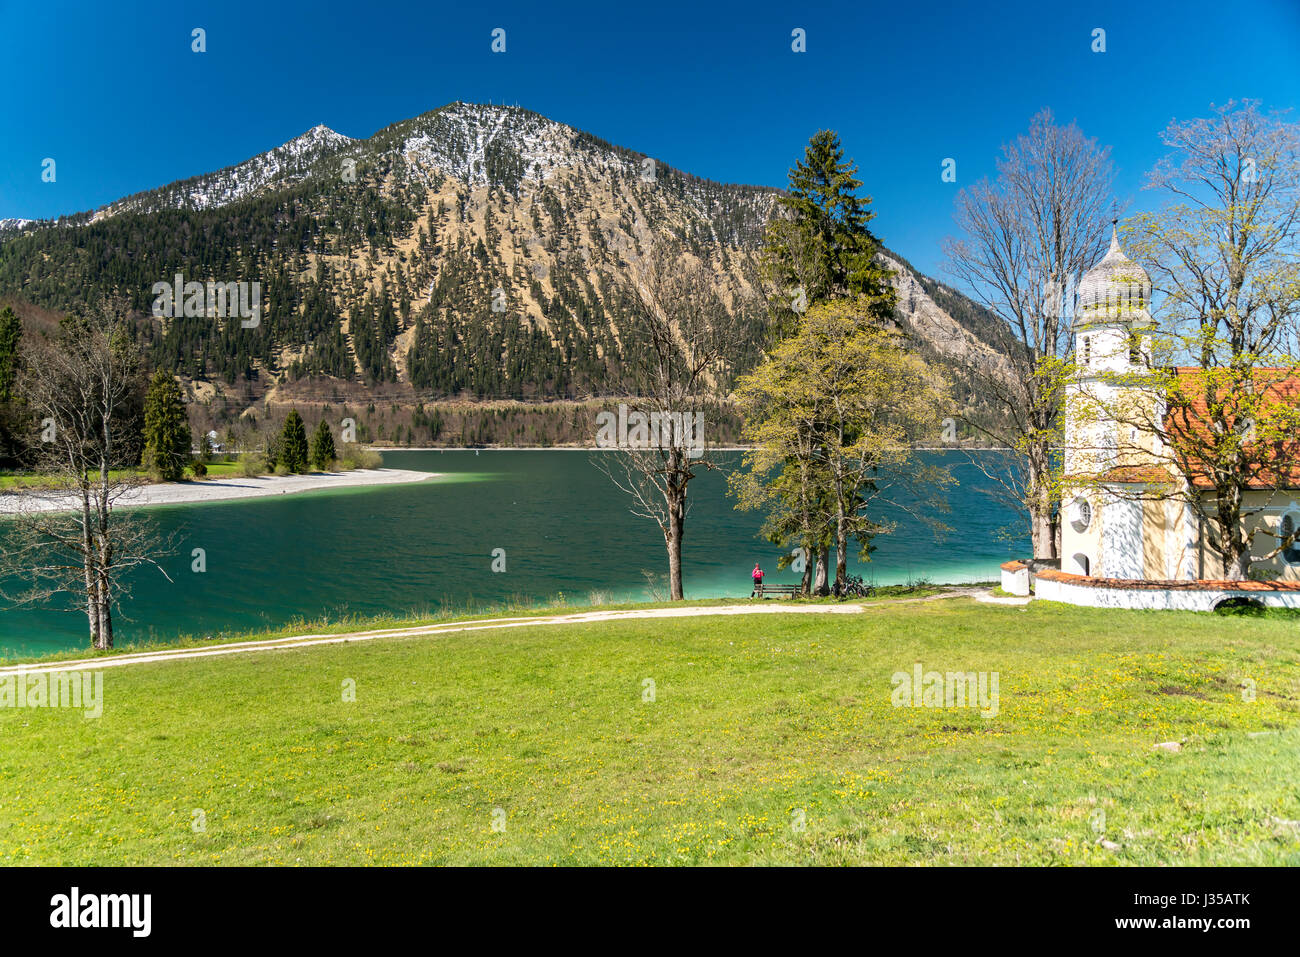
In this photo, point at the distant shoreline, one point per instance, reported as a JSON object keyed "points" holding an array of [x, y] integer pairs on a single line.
{"points": [[592, 448], [523, 448], [219, 490]]}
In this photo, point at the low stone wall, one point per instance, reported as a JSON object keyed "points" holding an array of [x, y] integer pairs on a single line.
{"points": [[1015, 578], [1053, 585]]}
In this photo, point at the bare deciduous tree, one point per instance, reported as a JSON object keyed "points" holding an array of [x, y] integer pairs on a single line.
{"points": [[681, 344], [1224, 259], [1027, 237], [67, 535]]}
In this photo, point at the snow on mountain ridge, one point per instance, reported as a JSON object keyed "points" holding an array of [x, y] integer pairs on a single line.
{"points": [[286, 164], [455, 140], [473, 143]]}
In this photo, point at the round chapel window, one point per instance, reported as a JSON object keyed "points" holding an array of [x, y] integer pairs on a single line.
{"points": [[1082, 515]]}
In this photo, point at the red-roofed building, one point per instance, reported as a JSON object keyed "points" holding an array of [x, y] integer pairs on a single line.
{"points": [[1134, 517]]}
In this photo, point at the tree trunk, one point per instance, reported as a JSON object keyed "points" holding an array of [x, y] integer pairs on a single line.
{"points": [[1038, 497], [805, 583], [1240, 568], [1235, 546], [676, 529], [92, 607], [1235, 555], [820, 587], [88, 564], [1044, 532], [841, 549], [104, 561], [105, 617]]}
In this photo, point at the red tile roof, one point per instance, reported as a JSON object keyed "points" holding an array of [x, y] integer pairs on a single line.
{"points": [[1280, 386], [1140, 474]]}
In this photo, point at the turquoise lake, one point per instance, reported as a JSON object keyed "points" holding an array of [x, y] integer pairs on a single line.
{"points": [[563, 526]]}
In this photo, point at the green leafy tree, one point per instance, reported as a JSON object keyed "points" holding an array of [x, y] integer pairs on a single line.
{"points": [[1223, 347], [818, 246], [166, 429], [293, 451], [835, 415], [322, 447]]}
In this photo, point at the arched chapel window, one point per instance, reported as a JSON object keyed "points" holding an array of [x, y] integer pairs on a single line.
{"points": [[1286, 529]]}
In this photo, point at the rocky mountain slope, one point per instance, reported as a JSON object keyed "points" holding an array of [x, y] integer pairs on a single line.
{"points": [[473, 252], [279, 167]]}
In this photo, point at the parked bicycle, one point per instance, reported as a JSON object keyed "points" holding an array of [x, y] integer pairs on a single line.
{"points": [[854, 587]]}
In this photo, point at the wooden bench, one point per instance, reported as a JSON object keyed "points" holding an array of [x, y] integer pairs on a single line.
{"points": [[777, 591]]}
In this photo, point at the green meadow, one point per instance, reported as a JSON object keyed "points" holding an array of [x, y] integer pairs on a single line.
{"points": [[750, 739], [18, 481]]}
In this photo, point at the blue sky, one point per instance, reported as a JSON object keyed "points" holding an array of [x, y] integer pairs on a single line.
{"points": [[114, 94]]}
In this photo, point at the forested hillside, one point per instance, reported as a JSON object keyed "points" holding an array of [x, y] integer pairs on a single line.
{"points": [[471, 253]]}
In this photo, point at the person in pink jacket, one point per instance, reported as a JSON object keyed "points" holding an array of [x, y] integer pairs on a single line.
{"points": [[757, 575]]}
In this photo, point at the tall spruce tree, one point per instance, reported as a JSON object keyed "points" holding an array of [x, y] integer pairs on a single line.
{"points": [[322, 447], [11, 424], [818, 246], [818, 249], [11, 333], [293, 443], [166, 429]]}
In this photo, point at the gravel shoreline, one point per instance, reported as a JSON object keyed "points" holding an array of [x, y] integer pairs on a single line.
{"points": [[219, 489]]}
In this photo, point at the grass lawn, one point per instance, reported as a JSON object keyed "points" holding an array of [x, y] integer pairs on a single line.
{"points": [[224, 469], [770, 740], [521, 608], [16, 481]]}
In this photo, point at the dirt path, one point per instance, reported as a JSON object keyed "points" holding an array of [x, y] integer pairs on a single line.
{"points": [[421, 631]]}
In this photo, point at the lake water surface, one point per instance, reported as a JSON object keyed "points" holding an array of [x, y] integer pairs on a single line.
{"points": [[563, 526]]}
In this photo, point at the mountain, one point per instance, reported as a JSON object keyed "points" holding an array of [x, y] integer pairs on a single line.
{"points": [[470, 254], [281, 167]]}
